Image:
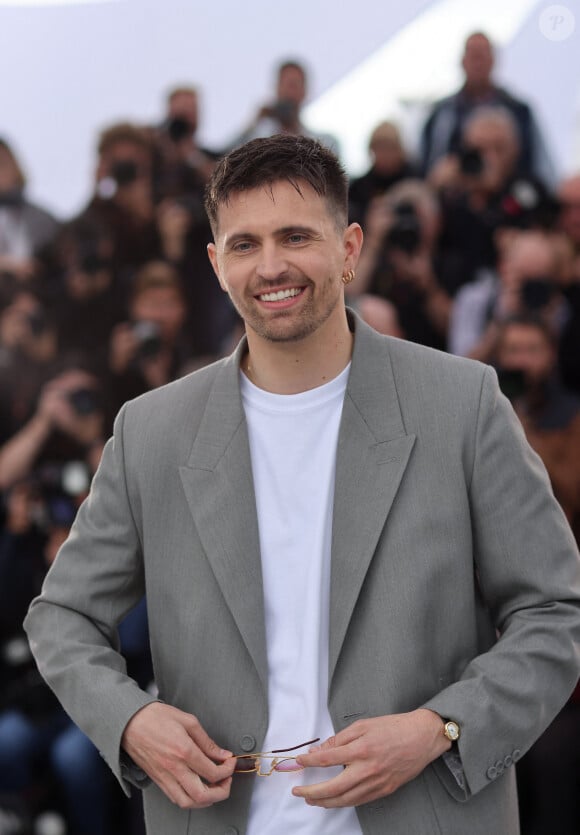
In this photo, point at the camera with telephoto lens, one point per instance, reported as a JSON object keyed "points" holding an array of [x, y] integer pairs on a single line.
{"points": [[537, 292], [512, 382], [85, 401], [405, 233], [89, 258], [148, 337], [284, 111], [37, 322], [124, 172], [178, 129], [470, 161]]}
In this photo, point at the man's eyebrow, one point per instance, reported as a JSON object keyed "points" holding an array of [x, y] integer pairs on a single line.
{"points": [[292, 229], [239, 236]]}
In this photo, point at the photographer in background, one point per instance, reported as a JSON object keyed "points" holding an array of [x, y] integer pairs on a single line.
{"points": [[123, 204], [283, 113], [151, 348], [444, 128], [183, 165], [28, 352], [46, 762], [63, 436], [526, 360], [90, 300], [480, 187], [181, 172], [399, 261], [526, 282], [24, 227], [390, 164]]}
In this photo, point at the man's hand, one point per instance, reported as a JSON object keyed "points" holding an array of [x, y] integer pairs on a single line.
{"points": [[379, 756], [56, 408], [175, 751]]}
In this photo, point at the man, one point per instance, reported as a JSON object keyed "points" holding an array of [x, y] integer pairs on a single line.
{"points": [[442, 131], [184, 165], [526, 359], [400, 261], [25, 228], [283, 115], [526, 282], [390, 165], [122, 207], [330, 526], [481, 191]]}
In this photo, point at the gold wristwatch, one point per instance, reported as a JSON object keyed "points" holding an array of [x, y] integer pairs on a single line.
{"points": [[451, 730]]}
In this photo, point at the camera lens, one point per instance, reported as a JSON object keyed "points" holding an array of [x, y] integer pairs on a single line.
{"points": [[84, 401], [148, 336], [124, 172]]}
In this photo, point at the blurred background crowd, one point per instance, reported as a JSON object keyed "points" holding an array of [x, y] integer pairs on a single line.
{"points": [[471, 246]]}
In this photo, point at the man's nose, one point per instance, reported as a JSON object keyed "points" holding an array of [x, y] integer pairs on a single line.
{"points": [[272, 263]]}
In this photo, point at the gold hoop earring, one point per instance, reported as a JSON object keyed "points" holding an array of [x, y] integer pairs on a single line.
{"points": [[346, 279]]}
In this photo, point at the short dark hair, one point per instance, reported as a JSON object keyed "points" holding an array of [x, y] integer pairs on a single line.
{"points": [[124, 132], [265, 161], [291, 64]]}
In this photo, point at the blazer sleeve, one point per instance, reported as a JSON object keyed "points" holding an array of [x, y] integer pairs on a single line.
{"points": [[95, 580], [528, 570]]}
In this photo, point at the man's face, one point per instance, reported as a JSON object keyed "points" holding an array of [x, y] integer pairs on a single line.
{"points": [[184, 105], [125, 153], [162, 305], [385, 146], [280, 256], [498, 148], [477, 60], [526, 348], [291, 85], [529, 256]]}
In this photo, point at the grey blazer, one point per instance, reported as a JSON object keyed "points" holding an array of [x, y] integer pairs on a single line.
{"points": [[455, 581]]}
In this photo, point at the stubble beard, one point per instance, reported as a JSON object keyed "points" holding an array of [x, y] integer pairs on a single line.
{"points": [[288, 325]]}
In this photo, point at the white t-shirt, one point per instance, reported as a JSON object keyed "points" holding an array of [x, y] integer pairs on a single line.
{"points": [[293, 441]]}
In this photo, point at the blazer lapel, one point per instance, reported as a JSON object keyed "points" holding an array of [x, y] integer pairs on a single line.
{"points": [[219, 488], [373, 452]]}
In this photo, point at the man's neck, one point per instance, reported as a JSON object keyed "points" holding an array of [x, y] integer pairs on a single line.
{"points": [[483, 90], [293, 367]]}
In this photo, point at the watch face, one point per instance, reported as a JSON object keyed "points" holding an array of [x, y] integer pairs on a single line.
{"points": [[452, 731]]}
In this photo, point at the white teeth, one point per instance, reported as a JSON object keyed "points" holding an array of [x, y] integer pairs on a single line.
{"points": [[280, 295]]}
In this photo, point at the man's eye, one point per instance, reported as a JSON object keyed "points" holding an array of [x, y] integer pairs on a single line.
{"points": [[242, 246], [296, 238]]}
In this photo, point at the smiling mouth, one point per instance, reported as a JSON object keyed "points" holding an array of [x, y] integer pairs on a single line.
{"points": [[280, 295]]}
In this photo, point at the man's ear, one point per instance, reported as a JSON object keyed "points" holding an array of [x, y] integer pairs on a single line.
{"points": [[353, 239], [212, 255]]}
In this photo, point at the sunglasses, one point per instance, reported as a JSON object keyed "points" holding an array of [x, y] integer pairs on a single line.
{"points": [[265, 763]]}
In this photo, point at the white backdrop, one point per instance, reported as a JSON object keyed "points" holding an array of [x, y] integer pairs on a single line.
{"points": [[69, 70]]}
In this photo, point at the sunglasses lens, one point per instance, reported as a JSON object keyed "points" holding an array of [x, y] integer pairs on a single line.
{"points": [[245, 764], [288, 765]]}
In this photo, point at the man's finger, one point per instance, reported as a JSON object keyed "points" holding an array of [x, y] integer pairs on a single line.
{"points": [[201, 795], [207, 758], [336, 788], [189, 792], [330, 753]]}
